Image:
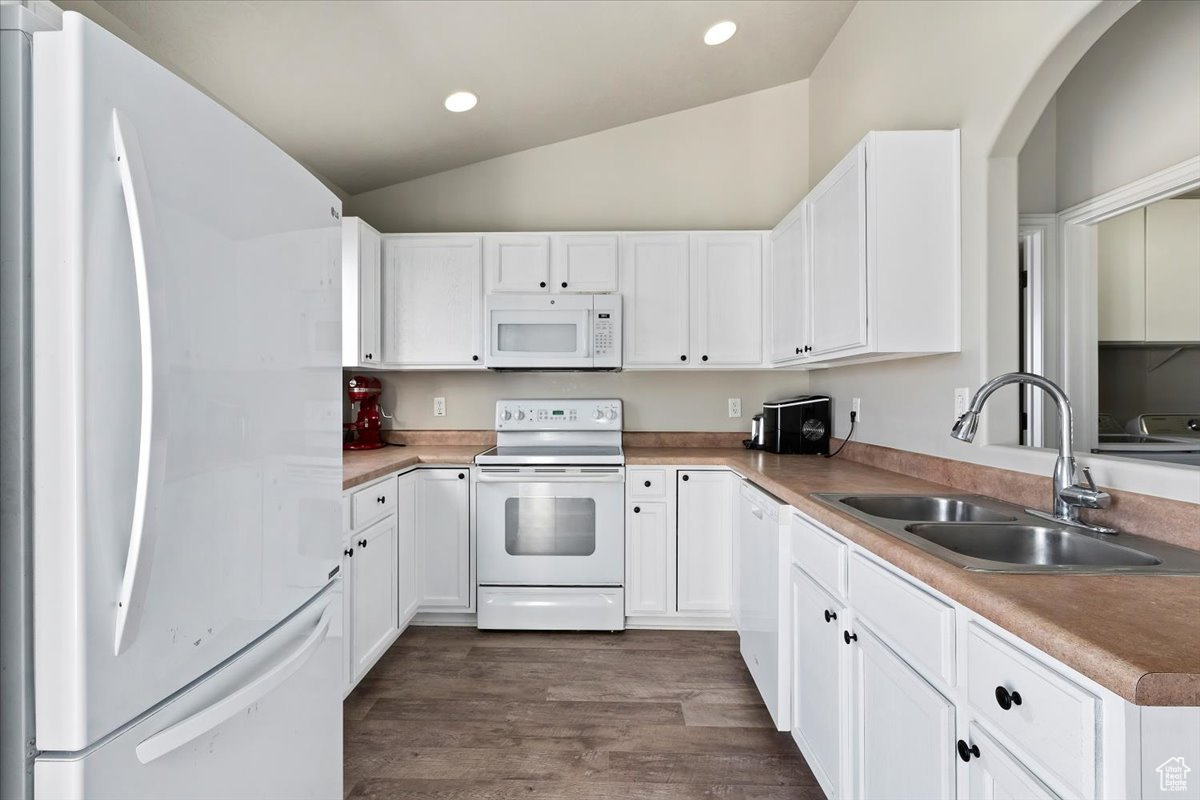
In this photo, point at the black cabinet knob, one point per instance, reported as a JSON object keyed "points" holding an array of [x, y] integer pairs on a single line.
{"points": [[381, 500], [368, 356], [797, 351], [965, 751], [647, 484], [348, 552], [685, 477], [637, 509], [564, 284], [542, 284], [808, 348], [362, 543], [849, 637], [474, 358], [683, 358], [461, 476], [704, 358], [830, 616], [1007, 699]]}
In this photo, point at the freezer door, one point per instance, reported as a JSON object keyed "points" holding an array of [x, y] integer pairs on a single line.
{"points": [[187, 456], [266, 725]]}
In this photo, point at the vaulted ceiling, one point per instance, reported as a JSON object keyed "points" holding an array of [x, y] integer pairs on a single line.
{"points": [[354, 89]]}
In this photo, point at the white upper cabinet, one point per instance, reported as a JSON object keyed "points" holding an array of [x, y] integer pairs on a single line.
{"points": [[585, 262], [654, 281], [1173, 271], [362, 327], [883, 249], [838, 264], [433, 302], [726, 290], [789, 340], [517, 262]]}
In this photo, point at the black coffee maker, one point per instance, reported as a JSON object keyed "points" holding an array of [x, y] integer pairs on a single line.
{"points": [[798, 425]]}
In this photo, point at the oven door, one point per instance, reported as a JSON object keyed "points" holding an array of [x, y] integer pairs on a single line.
{"points": [[550, 526], [539, 332]]}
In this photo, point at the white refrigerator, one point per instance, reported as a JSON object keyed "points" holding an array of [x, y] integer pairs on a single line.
{"points": [[183, 435]]}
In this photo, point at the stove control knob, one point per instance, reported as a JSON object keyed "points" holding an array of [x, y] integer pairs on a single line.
{"points": [[597, 414], [506, 415], [612, 414]]}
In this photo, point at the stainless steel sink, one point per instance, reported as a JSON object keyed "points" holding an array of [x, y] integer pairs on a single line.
{"points": [[921, 507], [1030, 544], [986, 535]]}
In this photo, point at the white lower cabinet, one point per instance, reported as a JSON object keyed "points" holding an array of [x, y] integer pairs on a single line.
{"points": [[705, 541], [373, 595], [444, 540], [995, 774], [406, 546], [819, 661], [647, 558], [902, 729]]}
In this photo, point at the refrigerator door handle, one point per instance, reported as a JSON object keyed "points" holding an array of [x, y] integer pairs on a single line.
{"points": [[135, 188], [179, 734]]}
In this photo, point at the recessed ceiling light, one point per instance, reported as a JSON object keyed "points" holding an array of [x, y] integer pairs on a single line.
{"points": [[720, 33], [461, 101]]}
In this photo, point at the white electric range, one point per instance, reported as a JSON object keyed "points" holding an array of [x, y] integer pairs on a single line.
{"points": [[549, 514]]}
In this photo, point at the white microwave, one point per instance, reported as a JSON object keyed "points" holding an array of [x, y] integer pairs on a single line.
{"points": [[552, 331]]}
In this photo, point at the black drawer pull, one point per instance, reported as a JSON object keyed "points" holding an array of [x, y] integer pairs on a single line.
{"points": [[683, 358], [362, 543], [474, 358], [849, 637], [965, 751], [542, 284], [637, 509], [647, 484], [381, 499], [564, 284], [704, 358], [348, 552], [1007, 699], [830, 616]]}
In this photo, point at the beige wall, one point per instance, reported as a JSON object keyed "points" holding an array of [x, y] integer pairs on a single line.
{"points": [[654, 401], [739, 163], [931, 64], [1131, 107]]}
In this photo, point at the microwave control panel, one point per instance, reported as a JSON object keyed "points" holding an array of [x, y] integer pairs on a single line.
{"points": [[566, 414], [604, 333]]}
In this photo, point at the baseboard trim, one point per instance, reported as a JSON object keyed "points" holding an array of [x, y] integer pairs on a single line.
{"points": [[680, 623], [443, 619]]}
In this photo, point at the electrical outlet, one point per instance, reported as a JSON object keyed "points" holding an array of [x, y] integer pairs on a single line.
{"points": [[735, 406], [439, 406], [962, 396], [856, 408]]}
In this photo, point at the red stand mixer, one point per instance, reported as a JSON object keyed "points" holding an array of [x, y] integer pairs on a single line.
{"points": [[363, 433]]}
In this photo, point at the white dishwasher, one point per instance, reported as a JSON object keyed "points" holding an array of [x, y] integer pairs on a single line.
{"points": [[761, 600]]}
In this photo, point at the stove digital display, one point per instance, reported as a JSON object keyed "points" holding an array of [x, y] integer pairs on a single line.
{"points": [[558, 413]]}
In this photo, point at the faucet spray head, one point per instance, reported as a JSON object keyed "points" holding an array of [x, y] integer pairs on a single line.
{"points": [[965, 427]]}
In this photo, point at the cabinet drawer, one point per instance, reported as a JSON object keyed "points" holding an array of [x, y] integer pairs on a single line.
{"points": [[374, 502], [646, 482], [1055, 721], [916, 624], [820, 555]]}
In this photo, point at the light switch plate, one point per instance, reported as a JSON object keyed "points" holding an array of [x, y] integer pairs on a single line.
{"points": [[735, 406], [439, 406]]}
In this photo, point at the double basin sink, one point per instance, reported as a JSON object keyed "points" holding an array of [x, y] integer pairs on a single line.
{"points": [[978, 533]]}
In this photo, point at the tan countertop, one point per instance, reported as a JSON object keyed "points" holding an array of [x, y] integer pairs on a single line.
{"points": [[1137, 635]]}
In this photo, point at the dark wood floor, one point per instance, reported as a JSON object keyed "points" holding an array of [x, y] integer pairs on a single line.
{"points": [[453, 713]]}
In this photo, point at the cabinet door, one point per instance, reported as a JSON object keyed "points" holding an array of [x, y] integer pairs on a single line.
{"points": [[361, 294], [726, 286], [902, 728], [1173, 271], [647, 547], [995, 774], [788, 291], [433, 295], [1121, 277], [819, 690], [585, 263], [444, 539], [654, 288], [838, 256], [374, 591], [517, 262], [705, 541], [406, 546]]}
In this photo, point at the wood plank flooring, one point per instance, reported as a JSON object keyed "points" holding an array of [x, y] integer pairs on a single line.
{"points": [[459, 714]]}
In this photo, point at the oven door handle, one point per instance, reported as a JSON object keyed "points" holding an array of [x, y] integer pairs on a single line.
{"points": [[550, 477]]}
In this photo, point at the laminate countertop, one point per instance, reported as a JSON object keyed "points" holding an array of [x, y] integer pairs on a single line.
{"points": [[1136, 635]]}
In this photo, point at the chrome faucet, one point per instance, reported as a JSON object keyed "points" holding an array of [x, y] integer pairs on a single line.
{"points": [[1069, 495]]}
